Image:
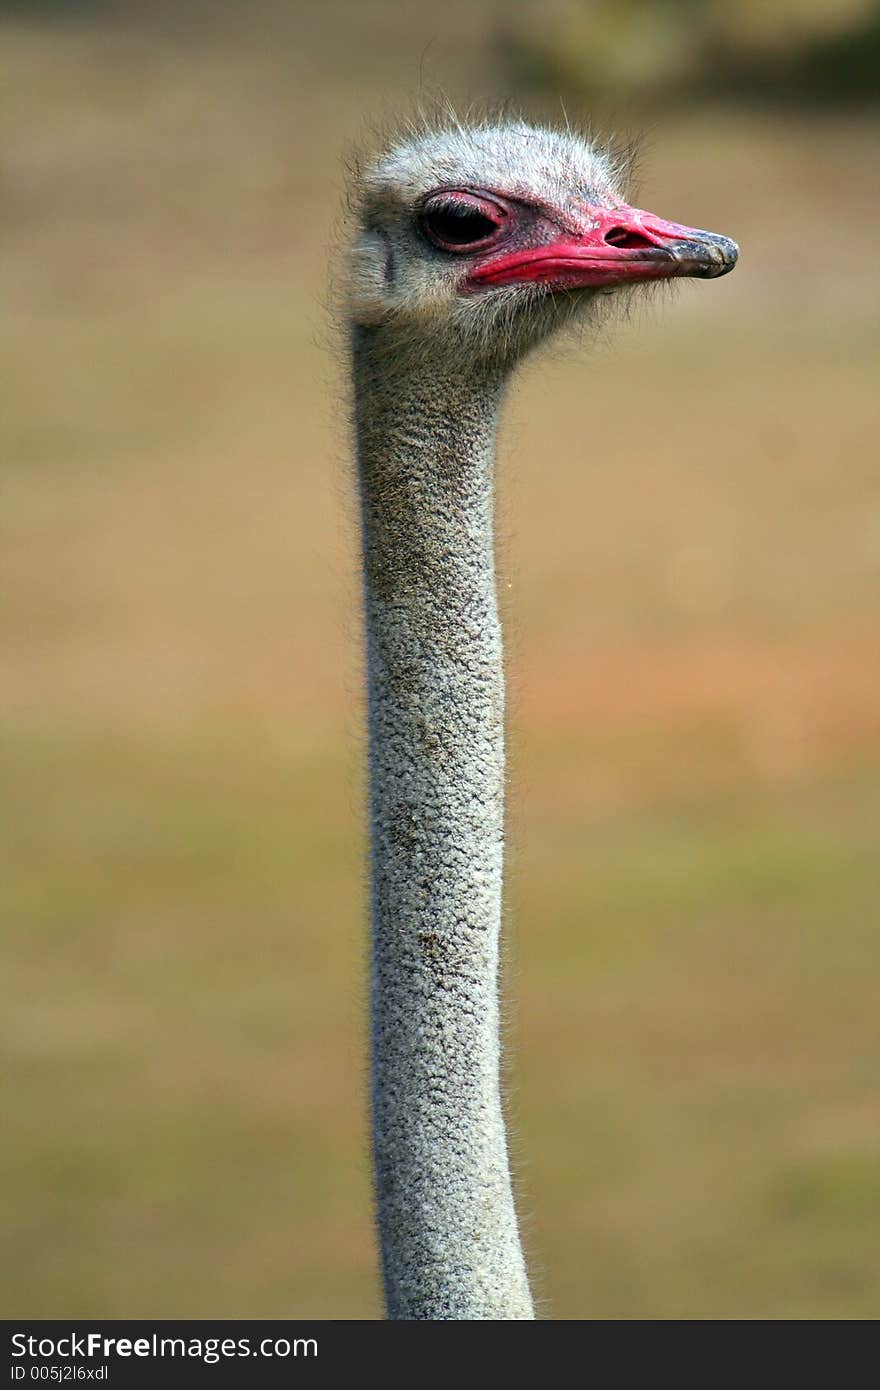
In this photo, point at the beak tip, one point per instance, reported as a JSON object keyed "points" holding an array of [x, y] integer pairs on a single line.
{"points": [[729, 254], [707, 256]]}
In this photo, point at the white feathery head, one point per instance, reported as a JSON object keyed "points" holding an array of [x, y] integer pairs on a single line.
{"points": [[475, 241], [533, 163]]}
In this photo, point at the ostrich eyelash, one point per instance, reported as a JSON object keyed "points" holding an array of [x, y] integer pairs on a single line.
{"points": [[461, 223]]}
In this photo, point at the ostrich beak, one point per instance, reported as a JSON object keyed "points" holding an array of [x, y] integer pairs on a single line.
{"points": [[621, 245]]}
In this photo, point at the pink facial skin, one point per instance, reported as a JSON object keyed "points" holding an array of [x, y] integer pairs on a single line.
{"points": [[622, 245]]}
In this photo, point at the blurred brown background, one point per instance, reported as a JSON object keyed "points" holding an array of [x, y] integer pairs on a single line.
{"points": [[693, 562]]}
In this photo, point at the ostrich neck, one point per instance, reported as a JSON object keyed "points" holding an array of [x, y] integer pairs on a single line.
{"points": [[447, 1224]]}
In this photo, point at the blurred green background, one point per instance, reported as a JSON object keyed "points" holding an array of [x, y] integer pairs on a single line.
{"points": [[691, 570]]}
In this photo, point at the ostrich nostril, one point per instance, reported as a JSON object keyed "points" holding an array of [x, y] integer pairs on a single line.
{"points": [[627, 239]]}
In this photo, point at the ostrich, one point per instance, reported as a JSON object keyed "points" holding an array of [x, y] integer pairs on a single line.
{"points": [[473, 244]]}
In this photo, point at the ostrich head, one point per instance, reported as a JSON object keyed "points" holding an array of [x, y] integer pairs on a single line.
{"points": [[484, 239]]}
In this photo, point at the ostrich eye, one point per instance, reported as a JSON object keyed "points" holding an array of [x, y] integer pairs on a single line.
{"points": [[460, 223]]}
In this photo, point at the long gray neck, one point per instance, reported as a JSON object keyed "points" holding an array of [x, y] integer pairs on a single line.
{"points": [[447, 1224]]}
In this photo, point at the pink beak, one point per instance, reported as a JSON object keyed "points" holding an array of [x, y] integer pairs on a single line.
{"points": [[621, 246]]}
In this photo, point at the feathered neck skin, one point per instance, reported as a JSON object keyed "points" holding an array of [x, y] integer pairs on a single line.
{"points": [[425, 443]]}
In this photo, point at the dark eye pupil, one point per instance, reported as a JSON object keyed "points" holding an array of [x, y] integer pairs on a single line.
{"points": [[457, 226]]}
